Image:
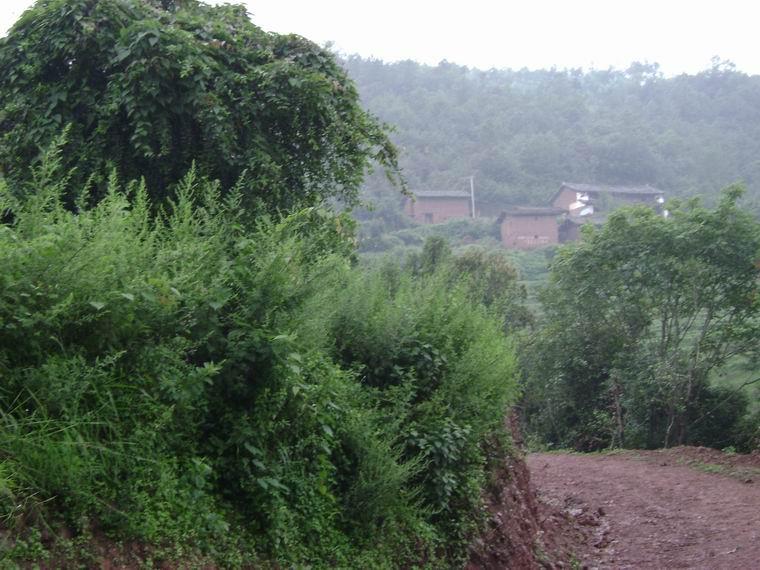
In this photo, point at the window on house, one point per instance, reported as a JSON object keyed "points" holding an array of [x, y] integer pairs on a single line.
{"points": [[428, 217]]}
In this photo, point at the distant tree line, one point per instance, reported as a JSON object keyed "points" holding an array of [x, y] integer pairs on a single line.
{"points": [[523, 132]]}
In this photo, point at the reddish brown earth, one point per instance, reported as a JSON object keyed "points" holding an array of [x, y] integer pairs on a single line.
{"points": [[522, 533], [678, 508]]}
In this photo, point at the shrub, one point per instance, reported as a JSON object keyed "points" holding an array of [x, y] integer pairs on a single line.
{"points": [[443, 375], [187, 380]]}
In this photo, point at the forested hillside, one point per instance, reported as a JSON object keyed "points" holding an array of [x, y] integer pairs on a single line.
{"points": [[522, 132]]}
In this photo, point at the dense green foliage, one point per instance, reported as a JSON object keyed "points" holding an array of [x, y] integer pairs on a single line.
{"points": [[522, 132], [150, 87], [637, 317], [235, 393], [195, 364]]}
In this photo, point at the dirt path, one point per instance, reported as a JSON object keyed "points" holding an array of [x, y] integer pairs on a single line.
{"points": [[657, 509]]}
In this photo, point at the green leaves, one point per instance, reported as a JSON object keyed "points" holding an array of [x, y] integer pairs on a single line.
{"points": [[150, 90], [640, 312], [186, 379]]}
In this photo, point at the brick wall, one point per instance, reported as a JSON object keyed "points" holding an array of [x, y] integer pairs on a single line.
{"points": [[528, 232], [437, 210]]}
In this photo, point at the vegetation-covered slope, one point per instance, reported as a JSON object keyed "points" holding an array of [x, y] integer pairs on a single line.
{"points": [[521, 132], [193, 368], [187, 382]]}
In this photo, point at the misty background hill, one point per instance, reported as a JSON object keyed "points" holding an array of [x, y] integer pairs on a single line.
{"points": [[522, 132]]}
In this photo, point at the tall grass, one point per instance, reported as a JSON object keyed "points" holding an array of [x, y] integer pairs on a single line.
{"points": [[180, 376]]}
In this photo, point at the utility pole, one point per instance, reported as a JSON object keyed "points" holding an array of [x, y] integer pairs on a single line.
{"points": [[472, 195]]}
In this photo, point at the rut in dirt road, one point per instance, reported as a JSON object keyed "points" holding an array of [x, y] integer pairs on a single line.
{"points": [[649, 511]]}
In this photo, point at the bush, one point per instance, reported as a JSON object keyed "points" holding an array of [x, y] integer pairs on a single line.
{"points": [[152, 87], [442, 373], [186, 380]]}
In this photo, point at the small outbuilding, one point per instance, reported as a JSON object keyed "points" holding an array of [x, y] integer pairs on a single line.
{"points": [[585, 199], [529, 228], [436, 206]]}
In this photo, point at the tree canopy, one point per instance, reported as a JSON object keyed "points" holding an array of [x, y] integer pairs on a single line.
{"points": [[150, 87], [638, 314]]}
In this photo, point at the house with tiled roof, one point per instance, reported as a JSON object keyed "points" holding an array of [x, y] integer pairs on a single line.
{"points": [[436, 206], [585, 199], [529, 228], [571, 207]]}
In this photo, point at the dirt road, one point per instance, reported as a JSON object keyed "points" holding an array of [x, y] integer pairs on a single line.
{"points": [[682, 508]]}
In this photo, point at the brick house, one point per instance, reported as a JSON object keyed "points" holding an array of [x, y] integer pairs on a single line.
{"points": [[571, 207], [436, 206], [585, 199], [529, 228]]}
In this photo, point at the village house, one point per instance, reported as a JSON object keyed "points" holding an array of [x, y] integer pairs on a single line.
{"points": [[585, 199], [436, 206], [571, 207], [529, 228]]}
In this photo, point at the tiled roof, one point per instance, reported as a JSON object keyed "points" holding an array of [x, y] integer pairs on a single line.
{"points": [[537, 211], [441, 194], [530, 211], [645, 190]]}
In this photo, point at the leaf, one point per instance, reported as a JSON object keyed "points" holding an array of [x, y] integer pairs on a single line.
{"points": [[121, 54], [252, 449], [128, 296], [97, 305]]}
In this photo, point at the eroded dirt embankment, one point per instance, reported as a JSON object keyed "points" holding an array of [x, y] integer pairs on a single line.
{"points": [[523, 533], [516, 536], [682, 508]]}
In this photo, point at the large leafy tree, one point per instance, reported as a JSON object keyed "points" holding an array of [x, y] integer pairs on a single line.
{"points": [[638, 316], [150, 86]]}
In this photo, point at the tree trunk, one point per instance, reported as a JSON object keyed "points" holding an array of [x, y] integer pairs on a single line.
{"points": [[618, 438], [671, 421]]}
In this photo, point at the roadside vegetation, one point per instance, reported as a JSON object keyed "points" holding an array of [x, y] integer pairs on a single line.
{"points": [[642, 320], [185, 379], [194, 368]]}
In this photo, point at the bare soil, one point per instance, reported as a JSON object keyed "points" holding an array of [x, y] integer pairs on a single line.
{"points": [[677, 508], [522, 532]]}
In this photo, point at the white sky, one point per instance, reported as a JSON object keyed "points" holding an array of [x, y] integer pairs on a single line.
{"points": [[680, 35]]}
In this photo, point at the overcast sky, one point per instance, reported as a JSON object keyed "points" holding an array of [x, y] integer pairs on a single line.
{"points": [[680, 35]]}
